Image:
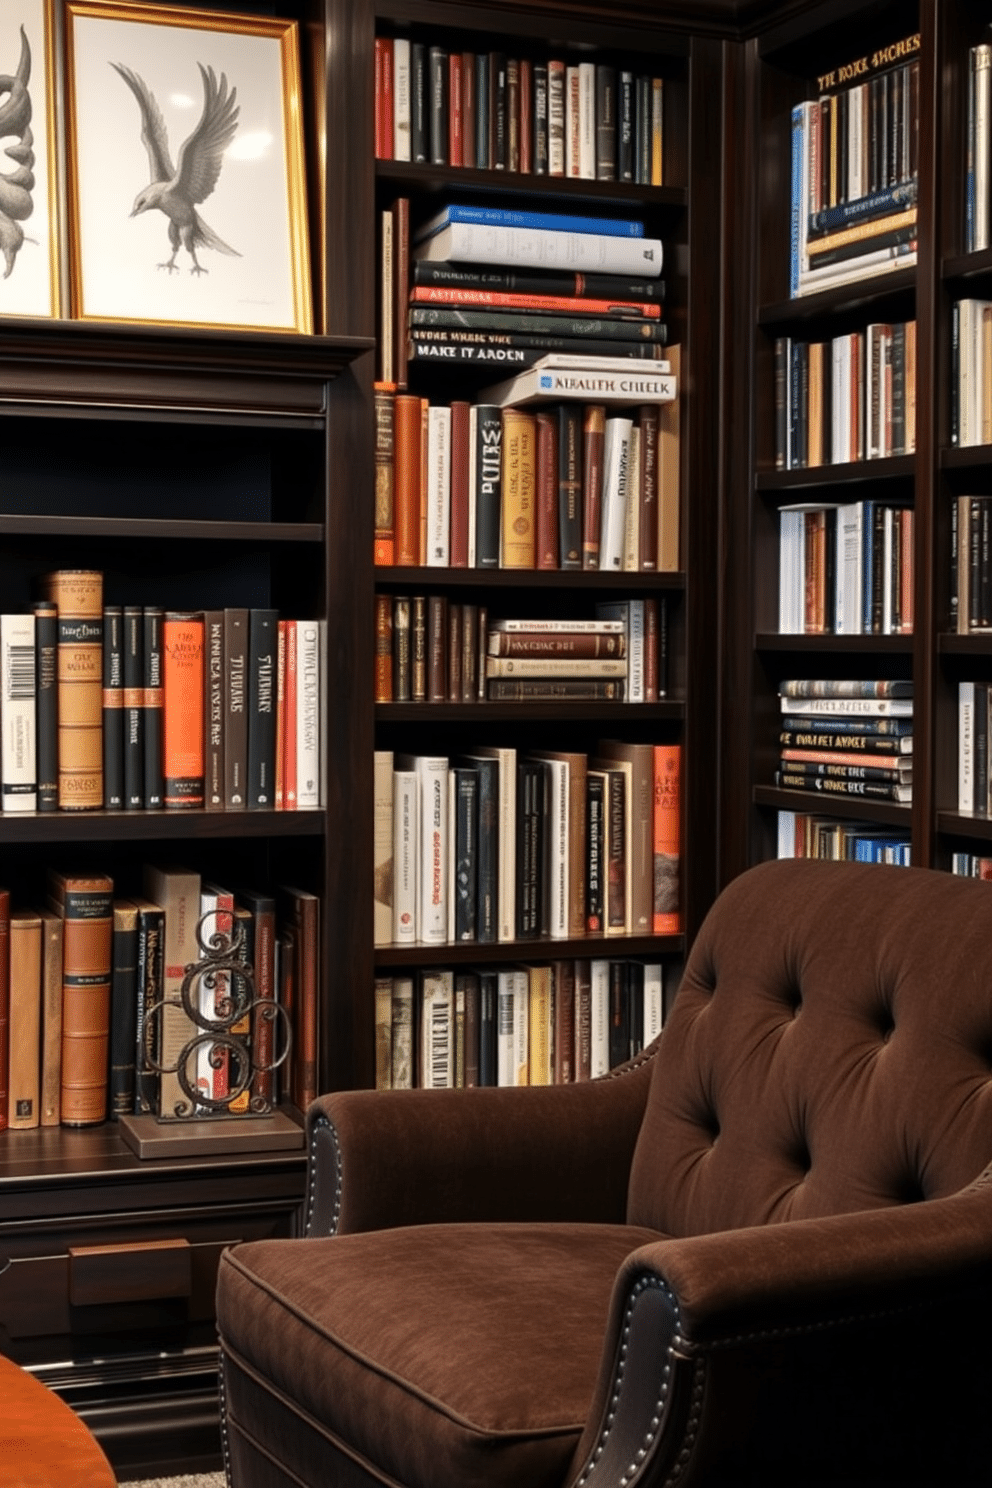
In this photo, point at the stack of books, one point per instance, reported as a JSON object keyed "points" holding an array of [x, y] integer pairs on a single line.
{"points": [[566, 484], [971, 565], [538, 1024], [504, 845], [801, 834], [850, 398], [846, 569], [566, 283], [494, 111], [556, 659], [847, 738], [855, 153]]}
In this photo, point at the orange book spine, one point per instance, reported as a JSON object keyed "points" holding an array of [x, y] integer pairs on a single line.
{"points": [[547, 488], [24, 1068], [519, 525], [456, 127], [182, 710], [281, 715], [406, 479], [289, 715], [78, 597], [906, 570], [87, 909], [432, 294], [383, 684], [384, 552], [667, 917]]}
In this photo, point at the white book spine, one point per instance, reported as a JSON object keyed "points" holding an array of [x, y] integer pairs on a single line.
{"points": [[438, 485], [888, 516], [558, 772], [401, 98], [432, 787], [966, 747], [450, 857], [654, 1004], [873, 346], [616, 480], [406, 856], [635, 651], [309, 669], [787, 834], [557, 131], [573, 156], [850, 568], [521, 1026], [599, 1004], [18, 714], [855, 188], [437, 1030], [505, 1063], [982, 120], [587, 120], [786, 574], [632, 526]]}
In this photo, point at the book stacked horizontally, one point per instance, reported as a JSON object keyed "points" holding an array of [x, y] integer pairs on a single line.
{"points": [[487, 281], [855, 154], [556, 658], [847, 738]]}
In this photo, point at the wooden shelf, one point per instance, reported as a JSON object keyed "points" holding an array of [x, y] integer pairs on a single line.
{"points": [[612, 947], [854, 809]]}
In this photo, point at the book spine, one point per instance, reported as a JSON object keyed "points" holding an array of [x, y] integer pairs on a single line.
{"points": [[309, 721], [438, 104], [466, 790], [519, 468], [606, 122], [236, 709], [123, 1009], [78, 596], [46, 703], [667, 819], [469, 121], [50, 1113], [419, 105], [401, 98], [384, 397], [154, 778], [24, 1032], [625, 126], [539, 113], [5, 1008], [113, 708], [513, 114], [570, 485], [213, 700], [134, 710], [482, 157], [87, 909], [537, 322], [182, 709], [18, 746], [406, 479], [438, 486], [593, 438], [262, 646], [616, 487], [488, 482], [547, 248]]}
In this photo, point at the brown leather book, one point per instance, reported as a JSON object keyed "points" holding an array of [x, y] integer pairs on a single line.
{"points": [[593, 439], [86, 906], [383, 691], [51, 1017], [78, 595], [547, 542], [459, 535], [384, 403], [301, 912], [25, 1019]]}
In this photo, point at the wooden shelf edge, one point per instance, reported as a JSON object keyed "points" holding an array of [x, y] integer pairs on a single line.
{"points": [[156, 826], [665, 711], [648, 580], [152, 529], [817, 644], [598, 948], [893, 468], [883, 812]]}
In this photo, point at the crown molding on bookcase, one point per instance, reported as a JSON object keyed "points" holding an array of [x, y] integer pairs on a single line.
{"points": [[734, 20]]}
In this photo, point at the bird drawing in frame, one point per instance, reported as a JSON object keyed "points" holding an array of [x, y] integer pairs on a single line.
{"points": [[178, 190]]}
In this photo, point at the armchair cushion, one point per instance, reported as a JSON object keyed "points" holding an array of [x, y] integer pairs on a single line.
{"points": [[445, 1356]]}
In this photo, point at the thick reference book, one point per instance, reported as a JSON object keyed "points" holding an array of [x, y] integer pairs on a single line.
{"points": [[625, 380], [86, 905], [78, 597]]}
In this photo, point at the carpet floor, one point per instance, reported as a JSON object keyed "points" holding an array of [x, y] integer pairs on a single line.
{"points": [[196, 1480]]}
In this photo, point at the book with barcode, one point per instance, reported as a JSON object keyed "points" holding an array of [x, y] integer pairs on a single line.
{"points": [[18, 752]]}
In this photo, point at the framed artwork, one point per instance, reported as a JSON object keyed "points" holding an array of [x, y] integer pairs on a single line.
{"points": [[186, 179], [29, 219]]}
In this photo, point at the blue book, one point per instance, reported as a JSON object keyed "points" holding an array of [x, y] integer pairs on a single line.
{"points": [[797, 205], [511, 217], [888, 202]]}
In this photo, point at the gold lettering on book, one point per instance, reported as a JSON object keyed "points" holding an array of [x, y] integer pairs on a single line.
{"points": [[862, 66]]}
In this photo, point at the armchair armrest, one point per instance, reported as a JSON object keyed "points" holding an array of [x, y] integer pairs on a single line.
{"points": [[562, 1152], [849, 1349]]}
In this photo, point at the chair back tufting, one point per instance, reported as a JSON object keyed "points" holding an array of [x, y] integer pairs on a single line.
{"points": [[829, 1050]]}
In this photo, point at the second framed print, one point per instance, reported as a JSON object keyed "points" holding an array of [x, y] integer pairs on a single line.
{"points": [[187, 200]]}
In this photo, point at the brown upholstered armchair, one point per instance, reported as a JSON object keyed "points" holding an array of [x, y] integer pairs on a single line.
{"points": [[759, 1255]]}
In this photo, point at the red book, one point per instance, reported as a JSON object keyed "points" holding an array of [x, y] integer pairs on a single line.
{"points": [[436, 294], [547, 488], [458, 535], [456, 131], [526, 117], [289, 719], [407, 479], [384, 98], [182, 710], [384, 394], [667, 917]]}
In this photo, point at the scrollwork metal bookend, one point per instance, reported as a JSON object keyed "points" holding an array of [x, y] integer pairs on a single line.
{"points": [[218, 997]]}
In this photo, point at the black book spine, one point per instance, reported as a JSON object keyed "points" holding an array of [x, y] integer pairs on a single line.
{"points": [[152, 653], [635, 1008], [439, 124], [606, 122], [619, 1014], [530, 775], [123, 1011], [980, 772], [489, 481], [113, 708], [488, 981], [134, 708], [482, 161], [487, 851], [419, 111], [46, 703], [570, 485], [642, 130], [498, 131], [595, 847], [540, 76], [262, 642], [466, 852], [151, 962], [626, 105]]}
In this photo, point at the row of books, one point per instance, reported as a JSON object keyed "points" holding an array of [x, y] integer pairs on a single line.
{"points": [[833, 753], [978, 149], [500, 286], [971, 371], [131, 707], [974, 770], [855, 157], [90, 983], [846, 569], [433, 649], [492, 111], [802, 834], [850, 398], [505, 845], [539, 1024], [569, 485], [971, 865], [971, 564]]}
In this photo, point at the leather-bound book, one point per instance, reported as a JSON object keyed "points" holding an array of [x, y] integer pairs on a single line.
{"points": [[86, 905], [78, 596]]}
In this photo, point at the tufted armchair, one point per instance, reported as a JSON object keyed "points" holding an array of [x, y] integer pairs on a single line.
{"points": [[759, 1255]]}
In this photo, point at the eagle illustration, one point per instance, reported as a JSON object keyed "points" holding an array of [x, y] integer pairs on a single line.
{"points": [[177, 190]]}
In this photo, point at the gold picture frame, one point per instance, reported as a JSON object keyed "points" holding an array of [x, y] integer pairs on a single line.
{"points": [[30, 226], [169, 111]]}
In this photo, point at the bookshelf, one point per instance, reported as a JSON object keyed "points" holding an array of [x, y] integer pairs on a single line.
{"points": [[676, 212]]}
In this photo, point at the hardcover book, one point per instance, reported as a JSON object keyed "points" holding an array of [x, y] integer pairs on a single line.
{"points": [[78, 597], [86, 907]]}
